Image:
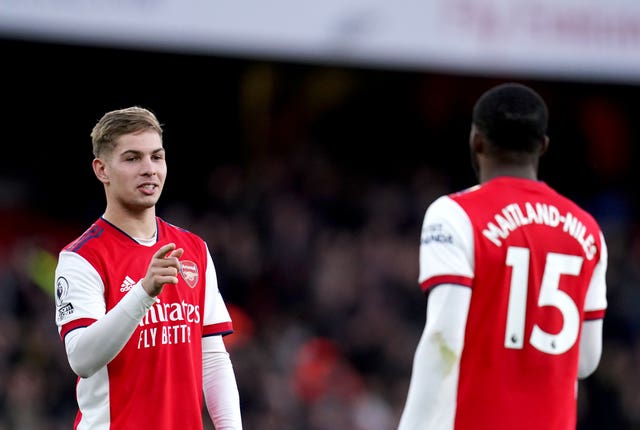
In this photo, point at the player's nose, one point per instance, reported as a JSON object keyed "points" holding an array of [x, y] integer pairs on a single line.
{"points": [[148, 167]]}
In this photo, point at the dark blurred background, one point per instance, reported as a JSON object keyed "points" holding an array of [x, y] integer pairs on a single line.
{"points": [[309, 181]]}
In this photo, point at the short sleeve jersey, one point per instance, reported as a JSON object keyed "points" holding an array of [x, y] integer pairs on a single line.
{"points": [[155, 381], [535, 263]]}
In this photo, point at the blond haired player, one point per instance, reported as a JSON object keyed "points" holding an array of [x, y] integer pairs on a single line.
{"points": [[137, 300]]}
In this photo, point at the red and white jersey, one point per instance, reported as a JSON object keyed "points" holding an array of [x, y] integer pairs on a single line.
{"points": [[155, 382], [535, 263]]}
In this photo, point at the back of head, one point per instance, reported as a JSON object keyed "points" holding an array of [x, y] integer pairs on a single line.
{"points": [[119, 122], [512, 116]]}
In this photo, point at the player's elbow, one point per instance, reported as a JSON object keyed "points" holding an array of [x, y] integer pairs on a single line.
{"points": [[587, 366], [81, 368], [79, 358], [589, 359], [81, 372], [590, 348]]}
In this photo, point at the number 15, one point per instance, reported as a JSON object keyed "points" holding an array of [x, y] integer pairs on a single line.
{"points": [[550, 295]]}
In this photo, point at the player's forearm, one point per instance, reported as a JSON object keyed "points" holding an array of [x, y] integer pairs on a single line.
{"points": [[432, 390], [434, 377], [220, 387], [425, 388], [91, 348], [590, 348]]}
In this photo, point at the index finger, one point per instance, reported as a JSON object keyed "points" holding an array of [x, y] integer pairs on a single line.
{"points": [[164, 250]]}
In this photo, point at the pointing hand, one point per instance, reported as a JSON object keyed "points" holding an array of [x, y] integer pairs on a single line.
{"points": [[163, 269]]}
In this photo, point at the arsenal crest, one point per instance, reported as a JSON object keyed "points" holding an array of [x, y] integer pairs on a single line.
{"points": [[189, 272]]}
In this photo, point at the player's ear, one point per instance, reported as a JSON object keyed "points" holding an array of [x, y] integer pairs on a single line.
{"points": [[544, 146], [100, 170], [476, 140]]}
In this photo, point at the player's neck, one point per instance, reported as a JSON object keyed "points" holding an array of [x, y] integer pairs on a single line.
{"points": [[524, 172], [140, 224]]}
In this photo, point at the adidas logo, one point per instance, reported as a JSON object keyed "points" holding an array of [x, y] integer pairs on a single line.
{"points": [[127, 284]]}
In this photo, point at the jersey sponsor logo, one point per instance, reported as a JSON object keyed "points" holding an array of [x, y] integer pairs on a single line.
{"points": [[127, 284], [514, 216], [171, 312], [62, 288], [435, 233], [168, 324], [189, 272], [64, 311]]}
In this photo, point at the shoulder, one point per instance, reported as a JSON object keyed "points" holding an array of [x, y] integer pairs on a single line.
{"points": [[585, 214], [164, 224], [86, 239], [445, 213], [446, 206], [467, 192], [577, 210], [171, 231]]}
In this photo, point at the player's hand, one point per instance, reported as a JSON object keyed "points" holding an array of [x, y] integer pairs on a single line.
{"points": [[163, 269]]}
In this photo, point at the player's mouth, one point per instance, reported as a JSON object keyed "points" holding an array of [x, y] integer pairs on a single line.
{"points": [[148, 188]]}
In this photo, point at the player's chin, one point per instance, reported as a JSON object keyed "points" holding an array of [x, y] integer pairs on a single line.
{"points": [[145, 202]]}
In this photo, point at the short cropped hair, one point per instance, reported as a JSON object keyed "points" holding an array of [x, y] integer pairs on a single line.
{"points": [[512, 117], [119, 122]]}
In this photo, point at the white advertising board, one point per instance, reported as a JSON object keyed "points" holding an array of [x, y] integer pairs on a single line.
{"points": [[575, 39]]}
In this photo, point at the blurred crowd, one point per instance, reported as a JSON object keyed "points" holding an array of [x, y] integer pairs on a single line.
{"points": [[314, 231]]}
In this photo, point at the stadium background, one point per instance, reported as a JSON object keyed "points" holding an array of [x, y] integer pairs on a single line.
{"points": [[309, 183]]}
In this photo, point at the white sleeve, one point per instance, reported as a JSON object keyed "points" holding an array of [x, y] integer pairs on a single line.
{"points": [[79, 290], [219, 382], [590, 347], [446, 243], [596, 300], [433, 387], [446, 271], [93, 347], [215, 310]]}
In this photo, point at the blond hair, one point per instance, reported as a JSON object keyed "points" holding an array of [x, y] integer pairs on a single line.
{"points": [[119, 122]]}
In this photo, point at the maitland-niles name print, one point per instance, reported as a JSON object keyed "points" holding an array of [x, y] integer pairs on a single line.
{"points": [[513, 216]]}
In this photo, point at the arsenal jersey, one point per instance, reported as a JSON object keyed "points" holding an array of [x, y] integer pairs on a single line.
{"points": [[155, 382], [535, 263]]}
